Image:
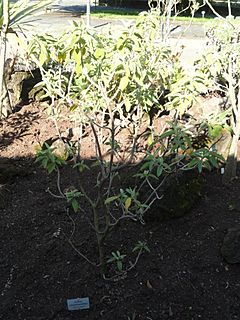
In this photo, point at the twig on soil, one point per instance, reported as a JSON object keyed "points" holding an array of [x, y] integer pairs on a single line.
{"points": [[54, 195], [133, 265], [79, 252], [73, 223]]}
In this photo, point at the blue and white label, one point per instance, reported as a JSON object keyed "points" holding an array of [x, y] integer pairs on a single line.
{"points": [[78, 304]]}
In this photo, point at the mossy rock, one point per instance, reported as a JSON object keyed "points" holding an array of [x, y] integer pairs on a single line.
{"points": [[61, 147], [21, 83], [178, 197]]}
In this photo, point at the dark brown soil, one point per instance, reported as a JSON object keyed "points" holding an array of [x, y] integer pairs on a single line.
{"points": [[183, 277]]}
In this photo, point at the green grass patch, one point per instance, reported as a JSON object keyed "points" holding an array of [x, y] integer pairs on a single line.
{"points": [[194, 19], [115, 13], [123, 13], [132, 14]]}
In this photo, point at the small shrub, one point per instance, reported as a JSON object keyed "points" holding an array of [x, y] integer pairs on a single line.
{"points": [[114, 84]]}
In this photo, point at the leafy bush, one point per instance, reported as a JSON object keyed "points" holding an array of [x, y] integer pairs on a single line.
{"points": [[114, 85], [132, 68], [221, 64]]}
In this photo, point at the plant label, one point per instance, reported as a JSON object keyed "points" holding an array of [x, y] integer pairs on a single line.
{"points": [[78, 304]]}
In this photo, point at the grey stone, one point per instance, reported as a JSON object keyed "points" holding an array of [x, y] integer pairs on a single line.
{"points": [[223, 143], [21, 83], [15, 86]]}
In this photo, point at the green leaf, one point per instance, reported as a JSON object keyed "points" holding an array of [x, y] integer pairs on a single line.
{"points": [[199, 165], [159, 171], [192, 163], [44, 162], [115, 255], [166, 134], [213, 161], [51, 167], [81, 166], [146, 248], [111, 199], [75, 205], [145, 166], [111, 259], [119, 265]]}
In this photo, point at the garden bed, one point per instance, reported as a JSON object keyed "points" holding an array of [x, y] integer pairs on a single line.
{"points": [[183, 277]]}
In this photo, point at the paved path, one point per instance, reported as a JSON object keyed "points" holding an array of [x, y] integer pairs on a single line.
{"points": [[65, 11], [192, 38]]}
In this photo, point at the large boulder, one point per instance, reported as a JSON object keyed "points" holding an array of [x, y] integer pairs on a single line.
{"points": [[206, 106]]}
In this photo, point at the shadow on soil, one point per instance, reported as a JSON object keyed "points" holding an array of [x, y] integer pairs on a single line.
{"points": [[16, 127]]}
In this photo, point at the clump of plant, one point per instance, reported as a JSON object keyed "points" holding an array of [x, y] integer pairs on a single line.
{"points": [[114, 85], [169, 154], [221, 65], [117, 259]]}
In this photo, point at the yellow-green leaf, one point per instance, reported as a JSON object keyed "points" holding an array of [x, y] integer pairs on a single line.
{"points": [[120, 43], [124, 83], [128, 203], [99, 53], [150, 139], [43, 57], [78, 68], [127, 70], [215, 131], [61, 57], [127, 104], [76, 55]]}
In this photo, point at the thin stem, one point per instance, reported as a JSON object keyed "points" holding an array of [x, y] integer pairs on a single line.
{"points": [[54, 195], [216, 13], [133, 265], [99, 152], [81, 254], [59, 184], [73, 223]]}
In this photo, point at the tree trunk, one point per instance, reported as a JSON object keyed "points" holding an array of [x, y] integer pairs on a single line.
{"points": [[102, 258], [229, 9], [231, 164], [5, 107]]}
